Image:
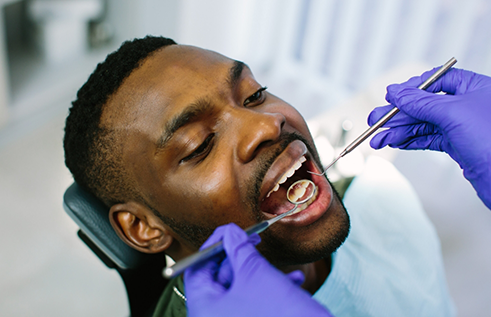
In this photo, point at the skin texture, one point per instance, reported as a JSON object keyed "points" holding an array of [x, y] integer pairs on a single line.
{"points": [[218, 167]]}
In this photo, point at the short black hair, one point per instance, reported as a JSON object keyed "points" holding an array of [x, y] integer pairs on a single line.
{"points": [[91, 151]]}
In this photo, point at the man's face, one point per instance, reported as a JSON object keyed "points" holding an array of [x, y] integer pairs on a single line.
{"points": [[206, 144]]}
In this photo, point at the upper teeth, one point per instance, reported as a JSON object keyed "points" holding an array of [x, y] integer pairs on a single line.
{"points": [[288, 174]]}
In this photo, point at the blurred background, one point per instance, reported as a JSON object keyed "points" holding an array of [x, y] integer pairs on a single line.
{"points": [[332, 59]]}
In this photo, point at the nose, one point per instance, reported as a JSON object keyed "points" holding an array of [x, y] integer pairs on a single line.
{"points": [[255, 130]]}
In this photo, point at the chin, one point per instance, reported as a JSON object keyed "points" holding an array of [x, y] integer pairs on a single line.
{"points": [[329, 236]]}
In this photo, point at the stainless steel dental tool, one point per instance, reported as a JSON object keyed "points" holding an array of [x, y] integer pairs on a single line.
{"points": [[371, 130], [298, 193]]}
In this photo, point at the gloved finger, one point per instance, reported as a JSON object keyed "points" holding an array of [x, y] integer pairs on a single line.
{"points": [[220, 232], [241, 253], [296, 277], [454, 82], [233, 238], [217, 235], [235, 235], [428, 142], [399, 119], [445, 83], [379, 140], [378, 113], [202, 276], [385, 138], [415, 81], [397, 135], [420, 136], [254, 239], [421, 105], [222, 273], [225, 275], [459, 81], [207, 268]]}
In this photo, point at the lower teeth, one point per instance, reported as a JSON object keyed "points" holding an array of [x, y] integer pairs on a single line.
{"points": [[305, 205]]}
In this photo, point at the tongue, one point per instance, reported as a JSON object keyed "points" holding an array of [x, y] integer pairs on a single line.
{"points": [[277, 203]]}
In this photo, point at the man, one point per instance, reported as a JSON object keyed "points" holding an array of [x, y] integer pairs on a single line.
{"points": [[178, 140], [456, 123]]}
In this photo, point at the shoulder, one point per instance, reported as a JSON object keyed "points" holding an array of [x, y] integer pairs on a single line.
{"points": [[172, 303]]}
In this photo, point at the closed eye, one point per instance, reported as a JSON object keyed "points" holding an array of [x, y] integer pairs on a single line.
{"points": [[256, 98], [202, 150]]}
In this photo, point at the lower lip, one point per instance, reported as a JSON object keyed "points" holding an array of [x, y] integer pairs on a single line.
{"points": [[317, 208]]}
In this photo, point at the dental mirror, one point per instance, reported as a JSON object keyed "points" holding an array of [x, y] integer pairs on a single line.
{"points": [[298, 193], [301, 191]]}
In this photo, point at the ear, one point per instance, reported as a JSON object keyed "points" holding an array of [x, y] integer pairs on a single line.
{"points": [[139, 227]]}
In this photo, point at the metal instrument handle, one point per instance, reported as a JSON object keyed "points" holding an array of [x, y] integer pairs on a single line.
{"points": [[216, 248], [442, 70]]}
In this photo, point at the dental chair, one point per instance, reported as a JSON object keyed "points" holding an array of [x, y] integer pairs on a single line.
{"points": [[141, 272]]}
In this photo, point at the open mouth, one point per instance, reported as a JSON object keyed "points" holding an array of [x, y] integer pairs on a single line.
{"points": [[276, 201]]}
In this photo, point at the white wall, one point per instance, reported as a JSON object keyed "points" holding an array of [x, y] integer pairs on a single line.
{"points": [[132, 18], [4, 82]]}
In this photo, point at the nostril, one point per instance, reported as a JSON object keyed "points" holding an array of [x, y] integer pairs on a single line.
{"points": [[263, 145], [258, 130]]}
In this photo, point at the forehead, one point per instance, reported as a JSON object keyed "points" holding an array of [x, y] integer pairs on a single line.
{"points": [[170, 76], [178, 65]]}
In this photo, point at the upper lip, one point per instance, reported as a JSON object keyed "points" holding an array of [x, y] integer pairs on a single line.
{"points": [[292, 153]]}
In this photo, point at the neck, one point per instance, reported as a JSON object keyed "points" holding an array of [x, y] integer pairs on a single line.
{"points": [[315, 273]]}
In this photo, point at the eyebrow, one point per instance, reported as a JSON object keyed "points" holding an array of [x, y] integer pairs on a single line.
{"points": [[190, 114], [235, 72], [197, 109]]}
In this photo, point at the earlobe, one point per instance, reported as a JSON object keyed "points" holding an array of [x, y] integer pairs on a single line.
{"points": [[136, 225]]}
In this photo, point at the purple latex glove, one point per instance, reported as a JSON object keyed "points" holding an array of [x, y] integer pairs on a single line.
{"points": [[458, 123], [244, 283]]}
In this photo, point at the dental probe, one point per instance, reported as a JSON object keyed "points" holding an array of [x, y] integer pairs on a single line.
{"points": [[371, 130], [309, 191]]}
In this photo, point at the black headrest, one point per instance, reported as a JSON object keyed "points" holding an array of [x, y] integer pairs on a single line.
{"points": [[92, 216]]}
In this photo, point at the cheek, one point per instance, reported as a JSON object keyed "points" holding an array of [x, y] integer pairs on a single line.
{"points": [[212, 199]]}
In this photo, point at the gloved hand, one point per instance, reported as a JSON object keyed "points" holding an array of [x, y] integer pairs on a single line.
{"points": [[243, 283], [458, 123]]}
